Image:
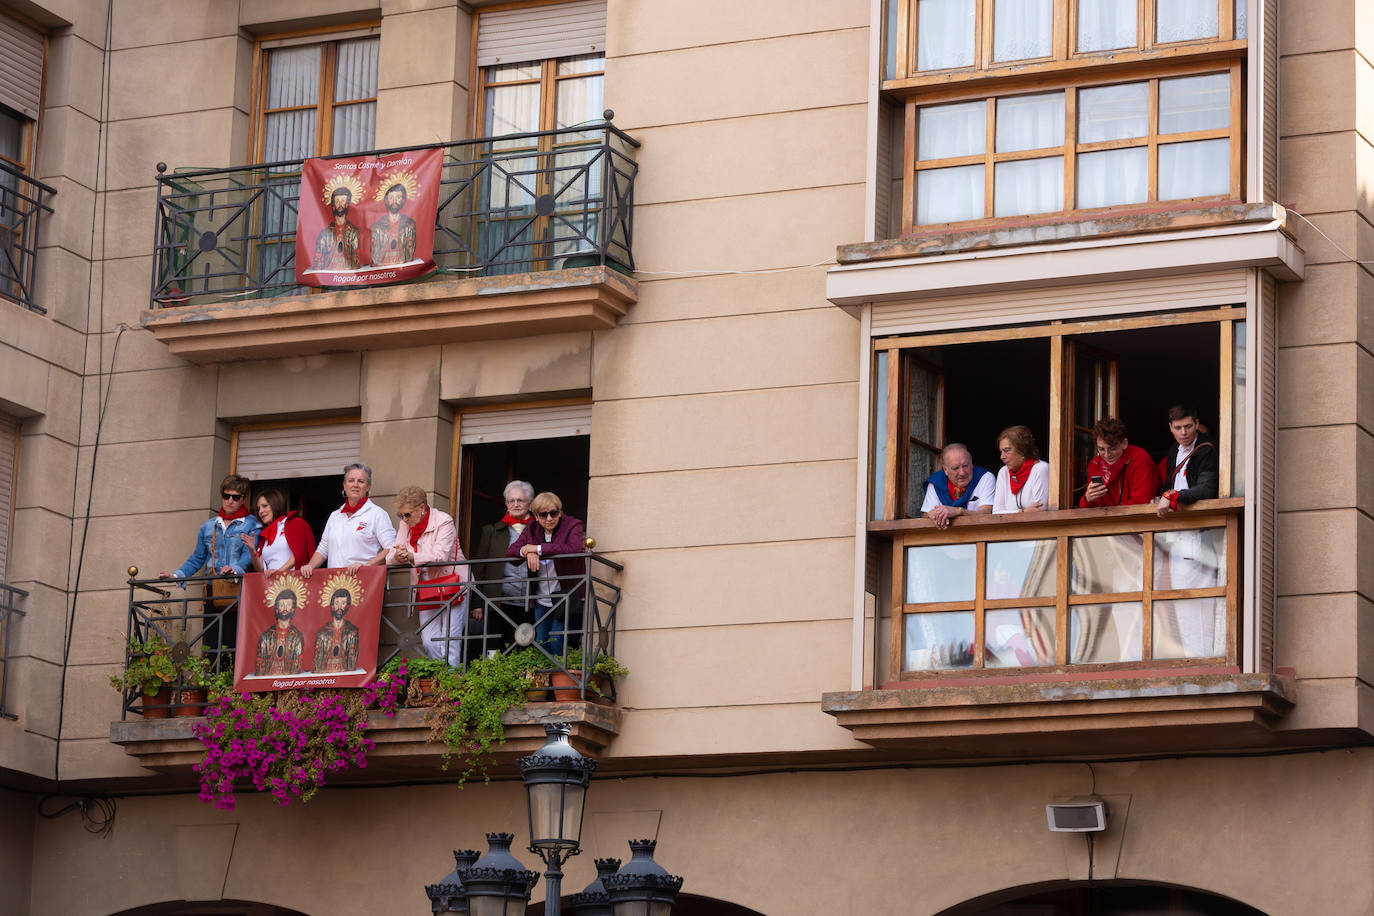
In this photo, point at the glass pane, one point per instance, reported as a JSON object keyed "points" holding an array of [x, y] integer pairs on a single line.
{"points": [[1101, 633], [580, 101], [935, 641], [1018, 638], [1195, 103], [944, 34], [504, 73], [289, 135], [357, 70], [1113, 112], [921, 463], [1198, 169], [949, 195], [1113, 177], [355, 127], [1190, 558], [11, 135], [1030, 122], [946, 131], [924, 394], [582, 63], [1028, 186], [1238, 412], [1106, 24], [1022, 29], [1242, 26], [1185, 20], [890, 40], [1190, 628], [1021, 569], [1106, 564], [944, 572], [512, 109], [294, 76], [880, 434]]}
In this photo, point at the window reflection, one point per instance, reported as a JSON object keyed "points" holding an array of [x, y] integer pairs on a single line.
{"points": [[1101, 633], [1019, 638], [938, 641], [1189, 628], [1190, 558], [941, 573], [1103, 565], [1021, 569]]}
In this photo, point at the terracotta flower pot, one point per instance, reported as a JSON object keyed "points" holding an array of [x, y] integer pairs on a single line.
{"points": [[420, 691], [565, 686], [190, 702], [157, 705]]}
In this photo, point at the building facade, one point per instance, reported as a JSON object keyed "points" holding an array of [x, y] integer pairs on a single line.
{"points": [[727, 277]]}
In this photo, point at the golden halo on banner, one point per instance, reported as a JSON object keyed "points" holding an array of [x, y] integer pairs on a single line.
{"points": [[346, 581], [405, 179], [286, 582], [351, 183]]}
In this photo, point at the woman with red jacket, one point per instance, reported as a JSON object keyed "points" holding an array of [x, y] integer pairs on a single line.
{"points": [[559, 589], [1125, 475], [285, 541]]}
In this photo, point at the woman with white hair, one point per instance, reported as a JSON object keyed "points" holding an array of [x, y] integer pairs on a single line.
{"points": [[514, 589], [359, 532]]}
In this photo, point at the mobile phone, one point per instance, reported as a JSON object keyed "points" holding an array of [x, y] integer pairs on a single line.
{"points": [[1095, 480]]}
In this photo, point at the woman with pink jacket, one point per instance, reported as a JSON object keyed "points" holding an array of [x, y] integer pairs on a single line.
{"points": [[427, 535]]}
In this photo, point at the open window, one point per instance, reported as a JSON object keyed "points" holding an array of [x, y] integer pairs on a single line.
{"points": [[304, 460]]}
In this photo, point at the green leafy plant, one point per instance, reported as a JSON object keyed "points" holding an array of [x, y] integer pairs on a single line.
{"points": [[606, 666], [467, 713], [149, 668]]}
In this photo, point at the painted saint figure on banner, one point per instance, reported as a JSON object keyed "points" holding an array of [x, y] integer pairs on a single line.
{"points": [[336, 247], [281, 645], [393, 236], [336, 643]]}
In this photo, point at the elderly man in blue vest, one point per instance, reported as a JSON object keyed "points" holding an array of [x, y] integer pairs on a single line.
{"points": [[959, 487]]}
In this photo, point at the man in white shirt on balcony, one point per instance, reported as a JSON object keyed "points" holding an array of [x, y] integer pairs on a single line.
{"points": [[359, 532], [957, 489]]}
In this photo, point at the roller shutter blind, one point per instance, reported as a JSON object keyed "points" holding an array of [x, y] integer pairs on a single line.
{"points": [[21, 66], [9, 442], [297, 451], [519, 425], [540, 32]]}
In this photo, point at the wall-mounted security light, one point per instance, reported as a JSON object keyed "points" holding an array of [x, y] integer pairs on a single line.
{"points": [[1078, 815]]}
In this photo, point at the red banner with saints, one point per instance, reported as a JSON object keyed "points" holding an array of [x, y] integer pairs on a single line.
{"points": [[367, 220], [317, 632]]}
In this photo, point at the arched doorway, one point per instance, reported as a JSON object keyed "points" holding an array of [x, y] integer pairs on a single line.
{"points": [[686, 905], [215, 908], [1102, 898]]}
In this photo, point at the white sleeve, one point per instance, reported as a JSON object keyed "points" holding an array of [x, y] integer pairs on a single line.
{"points": [[983, 493], [931, 499], [386, 532], [1002, 502], [327, 537], [1038, 486]]}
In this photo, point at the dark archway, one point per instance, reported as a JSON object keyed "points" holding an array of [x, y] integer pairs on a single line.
{"points": [[687, 905], [1102, 898], [213, 908]]}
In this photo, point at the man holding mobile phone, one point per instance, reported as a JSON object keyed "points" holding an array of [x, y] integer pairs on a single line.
{"points": [[1120, 474]]}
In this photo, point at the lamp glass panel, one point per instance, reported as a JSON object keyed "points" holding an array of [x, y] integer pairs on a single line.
{"points": [[556, 813]]}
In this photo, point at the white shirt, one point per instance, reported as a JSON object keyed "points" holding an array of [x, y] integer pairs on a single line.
{"points": [[278, 553], [1181, 475], [356, 538], [1036, 490], [982, 495]]}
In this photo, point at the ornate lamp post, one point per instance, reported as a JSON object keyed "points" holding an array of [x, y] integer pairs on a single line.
{"points": [[449, 897], [594, 901], [642, 887], [497, 884], [556, 779]]}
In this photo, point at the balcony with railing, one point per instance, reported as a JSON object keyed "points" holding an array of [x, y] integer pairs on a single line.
{"points": [[533, 235], [10, 599], [1075, 631], [23, 201], [158, 730]]}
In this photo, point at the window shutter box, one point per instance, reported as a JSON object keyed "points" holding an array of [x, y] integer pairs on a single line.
{"points": [[297, 451], [521, 425], [540, 32], [21, 66]]}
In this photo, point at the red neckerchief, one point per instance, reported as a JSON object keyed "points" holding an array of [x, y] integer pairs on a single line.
{"points": [[1109, 471], [419, 530], [511, 520], [954, 492], [348, 510], [241, 513], [1019, 478], [275, 527]]}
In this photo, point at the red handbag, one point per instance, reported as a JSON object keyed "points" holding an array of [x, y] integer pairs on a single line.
{"points": [[441, 591]]}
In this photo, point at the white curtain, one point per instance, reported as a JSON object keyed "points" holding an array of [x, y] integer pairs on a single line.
{"points": [[1185, 20], [1194, 103], [356, 76], [293, 78], [1113, 112], [1030, 122], [1113, 177], [1198, 169], [1241, 18], [944, 34], [1106, 24], [949, 195], [946, 131], [1028, 186], [1022, 29]]}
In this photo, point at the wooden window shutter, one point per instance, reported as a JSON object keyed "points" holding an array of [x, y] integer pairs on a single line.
{"points": [[21, 66], [540, 32], [524, 424], [297, 451]]}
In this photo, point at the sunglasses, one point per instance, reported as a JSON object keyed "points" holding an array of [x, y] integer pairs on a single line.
{"points": [[552, 513], [238, 496], [408, 515]]}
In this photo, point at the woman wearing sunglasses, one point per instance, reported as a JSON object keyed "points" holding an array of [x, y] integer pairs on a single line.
{"points": [[560, 593], [427, 535]]}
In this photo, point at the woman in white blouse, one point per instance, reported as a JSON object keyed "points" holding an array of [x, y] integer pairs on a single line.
{"points": [[1023, 483]]}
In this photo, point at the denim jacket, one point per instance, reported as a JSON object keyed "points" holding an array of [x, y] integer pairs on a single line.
{"points": [[218, 546]]}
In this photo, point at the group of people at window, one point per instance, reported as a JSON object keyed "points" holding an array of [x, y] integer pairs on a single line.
{"points": [[525, 577], [1120, 474]]}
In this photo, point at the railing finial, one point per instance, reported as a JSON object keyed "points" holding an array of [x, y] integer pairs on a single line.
{"points": [[161, 167], [133, 572], [608, 114]]}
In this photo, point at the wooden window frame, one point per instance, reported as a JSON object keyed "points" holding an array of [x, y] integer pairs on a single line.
{"points": [[329, 39]]}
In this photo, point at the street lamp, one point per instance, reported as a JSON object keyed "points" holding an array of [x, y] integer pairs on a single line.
{"points": [[642, 887], [556, 779], [594, 901], [497, 884], [448, 897]]}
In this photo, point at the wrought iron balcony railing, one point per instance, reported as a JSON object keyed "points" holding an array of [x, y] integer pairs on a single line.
{"points": [[486, 618], [9, 614], [23, 201], [521, 202]]}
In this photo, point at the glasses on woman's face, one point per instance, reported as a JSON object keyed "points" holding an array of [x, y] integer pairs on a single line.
{"points": [[236, 497], [409, 514], [552, 513]]}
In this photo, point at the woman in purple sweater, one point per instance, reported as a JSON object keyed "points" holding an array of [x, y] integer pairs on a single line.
{"points": [[559, 584]]}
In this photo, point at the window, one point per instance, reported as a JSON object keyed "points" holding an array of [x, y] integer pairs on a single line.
{"points": [[21, 84], [1134, 102], [317, 99], [305, 460]]}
